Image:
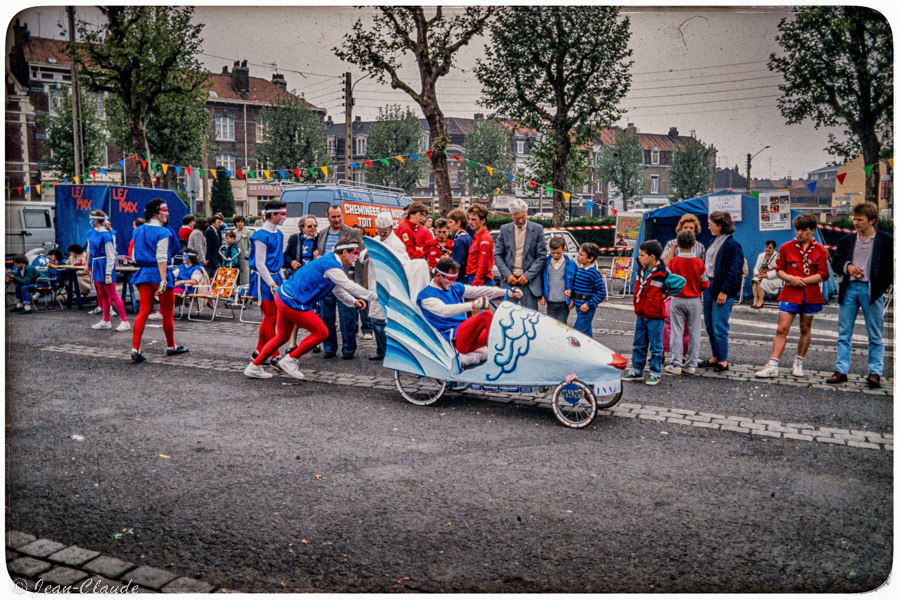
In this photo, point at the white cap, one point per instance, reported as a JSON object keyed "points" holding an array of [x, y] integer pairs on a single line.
{"points": [[384, 220]]}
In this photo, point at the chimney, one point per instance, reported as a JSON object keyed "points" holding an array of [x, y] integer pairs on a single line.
{"points": [[225, 70], [358, 119], [328, 121], [479, 116], [18, 64], [673, 132], [278, 79], [631, 128], [240, 78]]}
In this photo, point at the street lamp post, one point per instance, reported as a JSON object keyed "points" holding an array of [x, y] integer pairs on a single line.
{"points": [[749, 160]]}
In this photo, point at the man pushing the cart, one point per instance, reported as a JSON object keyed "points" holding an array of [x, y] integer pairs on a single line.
{"points": [[444, 304]]}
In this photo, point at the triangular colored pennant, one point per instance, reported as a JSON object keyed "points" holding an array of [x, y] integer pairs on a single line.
{"points": [[27, 189], [265, 174], [458, 159], [200, 172], [177, 170], [755, 195], [19, 191], [76, 183], [122, 162], [65, 181], [188, 171], [134, 158], [840, 177], [312, 171], [812, 187], [212, 172], [165, 168], [400, 158], [472, 162], [297, 173], [496, 191], [143, 164], [240, 174], [510, 175], [414, 155], [868, 169], [589, 205], [549, 190], [532, 184], [94, 174], [368, 163], [428, 154], [567, 195], [281, 172], [490, 171], [251, 175], [613, 211], [891, 162], [384, 160], [353, 165], [152, 166], [103, 171], [324, 170]]}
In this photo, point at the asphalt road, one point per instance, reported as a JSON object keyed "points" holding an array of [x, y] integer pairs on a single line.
{"points": [[277, 485]]}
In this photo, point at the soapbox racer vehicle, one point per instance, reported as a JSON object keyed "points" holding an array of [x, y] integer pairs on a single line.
{"points": [[528, 352]]}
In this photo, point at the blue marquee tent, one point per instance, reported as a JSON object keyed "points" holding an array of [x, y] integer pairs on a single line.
{"points": [[660, 225]]}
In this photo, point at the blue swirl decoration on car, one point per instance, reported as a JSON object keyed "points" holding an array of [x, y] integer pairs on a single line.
{"points": [[517, 330]]}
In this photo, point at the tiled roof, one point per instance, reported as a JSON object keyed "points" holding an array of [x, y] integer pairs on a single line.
{"points": [[40, 50], [662, 142], [261, 90]]}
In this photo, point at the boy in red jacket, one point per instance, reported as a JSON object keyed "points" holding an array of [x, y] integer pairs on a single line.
{"points": [[481, 253], [803, 265], [652, 284], [688, 304]]}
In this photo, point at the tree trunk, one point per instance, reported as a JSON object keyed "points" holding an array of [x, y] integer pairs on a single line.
{"points": [[139, 143], [439, 143], [560, 153], [871, 150]]}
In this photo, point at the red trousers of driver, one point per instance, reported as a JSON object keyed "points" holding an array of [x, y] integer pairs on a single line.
{"points": [[472, 334]]}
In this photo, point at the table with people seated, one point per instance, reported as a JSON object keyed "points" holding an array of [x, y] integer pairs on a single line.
{"points": [[73, 291]]}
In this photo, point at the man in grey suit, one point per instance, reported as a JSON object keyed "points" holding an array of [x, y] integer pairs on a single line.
{"points": [[349, 317], [520, 254]]}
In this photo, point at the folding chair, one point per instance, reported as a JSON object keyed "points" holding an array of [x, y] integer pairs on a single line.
{"points": [[50, 287], [888, 297], [621, 269], [245, 300], [220, 290]]}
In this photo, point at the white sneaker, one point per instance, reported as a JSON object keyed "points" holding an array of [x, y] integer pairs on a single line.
{"points": [[123, 326], [672, 369], [289, 366], [797, 369], [154, 316], [112, 312], [102, 325], [97, 311], [767, 371], [256, 372], [368, 336], [689, 370]]}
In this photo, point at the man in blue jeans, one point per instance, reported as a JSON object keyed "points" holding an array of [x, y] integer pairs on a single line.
{"points": [[347, 315], [866, 260]]}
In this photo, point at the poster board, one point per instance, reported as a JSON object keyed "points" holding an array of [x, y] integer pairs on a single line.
{"points": [[774, 211], [726, 203], [629, 223], [621, 267]]}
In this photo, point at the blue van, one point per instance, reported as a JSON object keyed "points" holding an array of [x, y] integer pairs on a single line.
{"points": [[361, 202]]}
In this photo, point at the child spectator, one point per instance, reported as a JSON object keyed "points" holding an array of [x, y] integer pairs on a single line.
{"points": [[480, 266], [441, 236], [458, 221], [652, 284], [24, 276], [587, 288], [687, 305], [559, 274], [230, 252], [187, 226]]}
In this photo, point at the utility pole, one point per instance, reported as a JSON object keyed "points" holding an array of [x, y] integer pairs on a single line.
{"points": [[348, 127], [749, 160], [76, 104]]}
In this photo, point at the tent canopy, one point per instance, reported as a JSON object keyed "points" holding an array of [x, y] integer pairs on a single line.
{"points": [[660, 225], [123, 204]]}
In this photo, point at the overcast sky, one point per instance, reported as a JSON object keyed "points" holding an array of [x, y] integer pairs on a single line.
{"points": [[697, 69]]}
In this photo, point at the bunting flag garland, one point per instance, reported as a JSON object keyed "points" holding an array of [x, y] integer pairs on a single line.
{"points": [[312, 172], [353, 165], [240, 174], [414, 156], [812, 187], [165, 168], [590, 205], [384, 160], [213, 173], [153, 166], [122, 162], [188, 171], [134, 159], [143, 164], [868, 170], [266, 174], [325, 170], [94, 174], [281, 172], [458, 160], [429, 155], [840, 177], [490, 170], [472, 162], [532, 184], [368, 163], [297, 173], [549, 190], [177, 171], [567, 195], [400, 158]]}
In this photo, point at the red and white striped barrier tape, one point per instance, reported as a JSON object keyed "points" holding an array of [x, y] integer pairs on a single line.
{"points": [[830, 228], [581, 228]]}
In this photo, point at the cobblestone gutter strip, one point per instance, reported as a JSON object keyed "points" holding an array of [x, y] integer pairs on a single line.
{"points": [[47, 566], [676, 416]]}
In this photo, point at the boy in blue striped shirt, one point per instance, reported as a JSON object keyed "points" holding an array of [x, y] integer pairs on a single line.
{"points": [[587, 288]]}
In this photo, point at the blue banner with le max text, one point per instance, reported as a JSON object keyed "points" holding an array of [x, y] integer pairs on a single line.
{"points": [[123, 204]]}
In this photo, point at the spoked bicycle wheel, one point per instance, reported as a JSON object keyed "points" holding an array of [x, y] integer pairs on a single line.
{"points": [[418, 389], [607, 401], [574, 404]]}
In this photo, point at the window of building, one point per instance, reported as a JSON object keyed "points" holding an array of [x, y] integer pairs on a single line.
{"points": [[224, 127], [226, 160], [52, 61], [520, 147], [331, 146], [260, 131], [654, 184], [654, 156], [360, 145]]}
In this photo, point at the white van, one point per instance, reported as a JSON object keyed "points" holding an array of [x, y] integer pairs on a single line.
{"points": [[29, 225]]}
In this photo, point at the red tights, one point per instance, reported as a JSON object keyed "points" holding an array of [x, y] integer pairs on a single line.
{"points": [[473, 333], [166, 309], [107, 296], [269, 322], [287, 318]]}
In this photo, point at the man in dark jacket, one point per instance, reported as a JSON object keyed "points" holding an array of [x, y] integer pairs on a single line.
{"points": [[520, 254], [866, 261], [213, 243], [349, 317], [25, 277]]}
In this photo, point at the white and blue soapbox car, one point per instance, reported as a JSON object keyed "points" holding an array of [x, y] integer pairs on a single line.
{"points": [[528, 352]]}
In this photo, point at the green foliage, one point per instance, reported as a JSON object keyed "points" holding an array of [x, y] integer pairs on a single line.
{"points": [[294, 138], [691, 172], [184, 197], [222, 196], [838, 65], [487, 143], [60, 139], [602, 237], [395, 132], [620, 164], [141, 56], [561, 71], [540, 166]]}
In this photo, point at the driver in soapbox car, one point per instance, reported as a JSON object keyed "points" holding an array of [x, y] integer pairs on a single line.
{"points": [[444, 305]]}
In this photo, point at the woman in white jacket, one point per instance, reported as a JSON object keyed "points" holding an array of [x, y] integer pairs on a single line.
{"points": [[765, 276]]}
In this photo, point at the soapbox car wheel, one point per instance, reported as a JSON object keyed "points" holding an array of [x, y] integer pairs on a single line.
{"points": [[418, 389], [574, 404]]}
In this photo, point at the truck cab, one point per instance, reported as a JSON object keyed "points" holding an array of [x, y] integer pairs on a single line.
{"points": [[29, 226]]}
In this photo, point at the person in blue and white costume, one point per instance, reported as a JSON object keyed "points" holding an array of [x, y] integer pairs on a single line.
{"points": [[102, 259], [266, 260], [297, 298], [191, 273], [443, 303], [155, 247]]}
